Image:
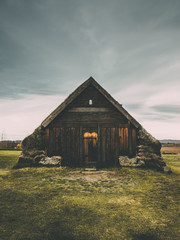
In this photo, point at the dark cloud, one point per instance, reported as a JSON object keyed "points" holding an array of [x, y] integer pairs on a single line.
{"points": [[49, 47], [133, 106], [167, 108], [160, 118]]}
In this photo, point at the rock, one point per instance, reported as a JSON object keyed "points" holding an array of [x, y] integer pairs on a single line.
{"points": [[141, 163], [54, 161], [24, 161], [39, 158], [35, 158], [125, 161], [167, 169]]}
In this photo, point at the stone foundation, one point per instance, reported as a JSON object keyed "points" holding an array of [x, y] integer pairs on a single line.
{"points": [[125, 161], [38, 158]]}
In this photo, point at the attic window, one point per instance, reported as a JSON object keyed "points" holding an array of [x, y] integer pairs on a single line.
{"points": [[90, 101]]}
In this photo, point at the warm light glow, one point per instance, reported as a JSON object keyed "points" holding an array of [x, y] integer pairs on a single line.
{"points": [[87, 135]]}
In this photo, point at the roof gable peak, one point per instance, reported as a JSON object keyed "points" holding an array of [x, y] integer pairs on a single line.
{"points": [[77, 92]]}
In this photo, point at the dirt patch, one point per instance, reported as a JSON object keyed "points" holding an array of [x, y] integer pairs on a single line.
{"points": [[92, 181], [93, 176]]}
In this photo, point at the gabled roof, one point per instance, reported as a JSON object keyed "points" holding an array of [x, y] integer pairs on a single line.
{"points": [[77, 92]]}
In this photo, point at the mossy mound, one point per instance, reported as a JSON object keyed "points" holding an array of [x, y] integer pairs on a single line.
{"points": [[146, 139], [30, 158], [35, 141], [149, 150], [33, 149]]}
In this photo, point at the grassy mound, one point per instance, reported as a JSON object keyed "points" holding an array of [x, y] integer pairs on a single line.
{"points": [[149, 150], [35, 141]]}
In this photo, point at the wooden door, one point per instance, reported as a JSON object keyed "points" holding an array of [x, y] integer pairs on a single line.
{"points": [[90, 144]]}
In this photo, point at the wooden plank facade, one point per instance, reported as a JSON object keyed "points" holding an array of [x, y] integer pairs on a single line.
{"points": [[90, 127]]}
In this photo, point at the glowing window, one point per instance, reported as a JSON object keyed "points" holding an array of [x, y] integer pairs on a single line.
{"points": [[90, 101]]}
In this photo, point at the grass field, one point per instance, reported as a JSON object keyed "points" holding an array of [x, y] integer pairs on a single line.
{"points": [[64, 204]]}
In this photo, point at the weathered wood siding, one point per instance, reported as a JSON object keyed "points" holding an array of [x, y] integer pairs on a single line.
{"points": [[108, 147], [101, 110], [112, 142], [90, 93], [64, 142]]}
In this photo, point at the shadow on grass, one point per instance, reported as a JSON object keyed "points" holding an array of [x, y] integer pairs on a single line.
{"points": [[149, 235], [56, 231], [29, 217]]}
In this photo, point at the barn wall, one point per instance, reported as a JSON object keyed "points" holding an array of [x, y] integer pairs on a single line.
{"points": [[108, 117], [64, 142], [112, 142], [116, 136]]}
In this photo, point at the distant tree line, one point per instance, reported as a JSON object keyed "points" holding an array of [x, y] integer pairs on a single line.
{"points": [[9, 144]]}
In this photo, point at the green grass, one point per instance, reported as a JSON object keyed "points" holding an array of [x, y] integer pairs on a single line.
{"points": [[173, 161], [64, 204], [8, 158]]}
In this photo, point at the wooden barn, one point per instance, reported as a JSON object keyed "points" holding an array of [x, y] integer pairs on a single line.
{"points": [[90, 128]]}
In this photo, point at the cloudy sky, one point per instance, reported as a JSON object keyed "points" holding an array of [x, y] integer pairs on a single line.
{"points": [[49, 47]]}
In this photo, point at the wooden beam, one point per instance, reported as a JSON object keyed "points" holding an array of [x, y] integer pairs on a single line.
{"points": [[89, 109], [130, 141]]}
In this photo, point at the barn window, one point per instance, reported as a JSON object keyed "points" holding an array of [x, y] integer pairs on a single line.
{"points": [[90, 101]]}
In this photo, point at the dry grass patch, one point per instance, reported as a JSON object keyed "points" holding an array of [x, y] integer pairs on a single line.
{"points": [[170, 149]]}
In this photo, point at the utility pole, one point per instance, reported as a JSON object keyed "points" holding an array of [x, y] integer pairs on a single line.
{"points": [[2, 137]]}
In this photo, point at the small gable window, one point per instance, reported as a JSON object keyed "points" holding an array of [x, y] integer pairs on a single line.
{"points": [[90, 102]]}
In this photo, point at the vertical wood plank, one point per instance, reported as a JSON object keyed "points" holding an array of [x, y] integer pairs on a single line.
{"points": [[81, 144], [107, 149], [126, 140], [134, 141], [121, 140], [103, 144], [130, 141], [78, 146], [99, 144], [113, 146], [61, 141], [116, 145], [64, 137], [50, 140], [47, 138]]}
